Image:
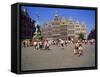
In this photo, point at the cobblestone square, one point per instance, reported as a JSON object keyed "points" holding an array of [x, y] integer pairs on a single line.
{"points": [[57, 57]]}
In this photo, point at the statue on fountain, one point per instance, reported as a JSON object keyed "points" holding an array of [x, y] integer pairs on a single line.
{"points": [[37, 35]]}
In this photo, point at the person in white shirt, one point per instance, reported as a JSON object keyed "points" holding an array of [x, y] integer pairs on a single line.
{"points": [[76, 48]]}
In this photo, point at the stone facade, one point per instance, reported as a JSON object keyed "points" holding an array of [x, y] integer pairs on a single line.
{"points": [[61, 28]]}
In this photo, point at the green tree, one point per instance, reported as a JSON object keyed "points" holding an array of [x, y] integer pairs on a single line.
{"points": [[37, 36], [81, 36]]}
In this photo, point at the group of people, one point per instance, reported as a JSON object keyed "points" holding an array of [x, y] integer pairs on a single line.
{"points": [[45, 44], [42, 45], [78, 49]]}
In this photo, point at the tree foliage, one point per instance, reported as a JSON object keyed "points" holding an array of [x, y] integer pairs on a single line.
{"points": [[81, 36]]}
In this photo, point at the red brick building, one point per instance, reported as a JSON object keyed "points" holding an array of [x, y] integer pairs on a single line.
{"points": [[27, 25]]}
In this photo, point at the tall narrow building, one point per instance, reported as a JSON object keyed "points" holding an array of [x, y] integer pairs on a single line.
{"points": [[27, 25]]}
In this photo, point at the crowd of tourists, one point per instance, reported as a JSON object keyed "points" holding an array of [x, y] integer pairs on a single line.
{"points": [[46, 44]]}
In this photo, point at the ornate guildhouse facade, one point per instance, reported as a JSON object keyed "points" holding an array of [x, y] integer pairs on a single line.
{"points": [[61, 28], [80, 28], [51, 30], [70, 29]]}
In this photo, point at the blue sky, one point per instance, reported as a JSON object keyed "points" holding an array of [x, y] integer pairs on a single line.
{"points": [[47, 14]]}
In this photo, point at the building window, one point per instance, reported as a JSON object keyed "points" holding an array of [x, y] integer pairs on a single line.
{"points": [[77, 26], [71, 32], [77, 29]]}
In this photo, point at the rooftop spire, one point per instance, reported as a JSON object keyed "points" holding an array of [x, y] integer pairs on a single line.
{"points": [[56, 13], [70, 18], [83, 23], [25, 11], [77, 22], [56, 18]]}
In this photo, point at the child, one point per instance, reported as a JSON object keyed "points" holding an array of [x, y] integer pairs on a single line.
{"points": [[80, 49]]}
